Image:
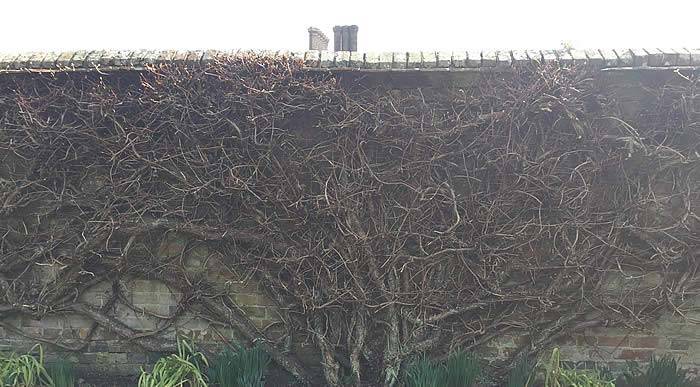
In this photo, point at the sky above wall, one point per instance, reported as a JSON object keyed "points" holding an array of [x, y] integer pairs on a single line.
{"points": [[56, 25]]}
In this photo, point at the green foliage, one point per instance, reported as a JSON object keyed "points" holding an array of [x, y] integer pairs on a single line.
{"points": [[425, 373], [24, 370], [460, 370], [62, 373], [663, 372], [521, 375], [557, 376], [240, 368], [181, 369]]}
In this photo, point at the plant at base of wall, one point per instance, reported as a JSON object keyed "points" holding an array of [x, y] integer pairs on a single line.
{"points": [[555, 375], [240, 368], [181, 369], [663, 372], [460, 370], [24, 370], [62, 373], [521, 375]]}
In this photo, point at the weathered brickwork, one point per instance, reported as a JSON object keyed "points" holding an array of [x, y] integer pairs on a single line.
{"points": [[151, 302]]}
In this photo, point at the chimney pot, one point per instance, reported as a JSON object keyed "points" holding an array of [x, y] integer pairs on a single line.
{"points": [[345, 38], [317, 39]]}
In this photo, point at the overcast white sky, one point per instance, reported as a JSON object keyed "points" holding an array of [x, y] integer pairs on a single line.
{"points": [[383, 25]]}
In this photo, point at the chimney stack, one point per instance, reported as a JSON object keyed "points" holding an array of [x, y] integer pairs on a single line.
{"points": [[345, 38], [317, 39]]}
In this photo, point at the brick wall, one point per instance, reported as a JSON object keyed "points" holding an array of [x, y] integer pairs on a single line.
{"points": [[110, 361], [106, 359]]}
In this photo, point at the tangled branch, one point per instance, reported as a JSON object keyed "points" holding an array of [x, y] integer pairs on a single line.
{"points": [[388, 223]]}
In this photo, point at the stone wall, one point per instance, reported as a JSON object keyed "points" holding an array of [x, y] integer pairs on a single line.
{"points": [[148, 304], [146, 307]]}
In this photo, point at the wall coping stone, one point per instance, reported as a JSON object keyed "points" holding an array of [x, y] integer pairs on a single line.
{"points": [[474, 60]]}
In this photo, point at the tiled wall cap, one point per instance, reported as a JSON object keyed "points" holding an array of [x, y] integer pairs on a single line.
{"points": [[98, 60]]}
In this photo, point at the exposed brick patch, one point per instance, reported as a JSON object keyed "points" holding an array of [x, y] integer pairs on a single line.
{"points": [[635, 354], [680, 344], [644, 342], [612, 341]]}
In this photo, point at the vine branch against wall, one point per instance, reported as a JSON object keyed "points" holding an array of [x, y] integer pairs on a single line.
{"points": [[389, 222]]}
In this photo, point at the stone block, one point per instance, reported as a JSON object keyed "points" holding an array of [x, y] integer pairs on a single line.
{"points": [[100, 348], [7, 59], [87, 358], [75, 321], [610, 58], [342, 59], [677, 344], [578, 56], [400, 60], [535, 56], [357, 60], [296, 56], [683, 57], [51, 321], [473, 58], [165, 56], [78, 60], [520, 57], [21, 61], [594, 58], [255, 311], [635, 354], [192, 323], [93, 58], [209, 56], [146, 286], [694, 56], [459, 59], [37, 60], [573, 353], [644, 342], [655, 58], [179, 56], [503, 59], [372, 60], [612, 341], [253, 299], [326, 59], [195, 56], [640, 58], [626, 57], [414, 60], [550, 55], [137, 357], [443, 59], [146, 57], [670, 57], [263, 323], [311, 58], [489, 58], [429, 59]]}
